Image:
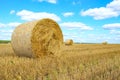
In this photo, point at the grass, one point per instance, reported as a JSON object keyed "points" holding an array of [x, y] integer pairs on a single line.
{"points": [[76, 62], [5, 41]]}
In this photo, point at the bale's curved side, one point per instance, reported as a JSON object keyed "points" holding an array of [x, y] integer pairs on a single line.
{"points": [[21, 41], [36, 38]]}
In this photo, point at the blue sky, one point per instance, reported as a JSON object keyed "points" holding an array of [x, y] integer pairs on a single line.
{"points": [[92, 21]]}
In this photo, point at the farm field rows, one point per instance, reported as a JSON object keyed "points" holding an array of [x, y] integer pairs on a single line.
{"points": [[75, 62]]}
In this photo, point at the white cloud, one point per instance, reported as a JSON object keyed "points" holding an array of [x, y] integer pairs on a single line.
{"points": [[100, 13], [29, 15], [112, 26], [49, 1], [67, 14], [115, 5], [6, 30], [12, 24], [2, 25], [5, 37], [98, 37], [52, 1], [115, 32], [12, 11], [76, 25], [111, 10]]}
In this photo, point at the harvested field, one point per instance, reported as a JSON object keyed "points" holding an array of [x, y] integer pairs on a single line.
{"points": [[6, 50], [76, 62]]}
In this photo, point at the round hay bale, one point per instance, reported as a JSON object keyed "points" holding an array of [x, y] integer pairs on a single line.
{"points": [[9, 43], [104, 43], [37, 38], [69, 42]]}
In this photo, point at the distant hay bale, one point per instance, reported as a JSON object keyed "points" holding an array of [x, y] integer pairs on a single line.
{"points": [[104, 43], [69, 42], [37, 38], [9, 43]]}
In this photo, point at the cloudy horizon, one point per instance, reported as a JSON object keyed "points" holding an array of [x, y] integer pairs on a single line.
{"points": [[80, 20]]}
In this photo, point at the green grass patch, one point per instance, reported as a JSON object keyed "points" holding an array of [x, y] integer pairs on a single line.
{"points": [[5, 41]]}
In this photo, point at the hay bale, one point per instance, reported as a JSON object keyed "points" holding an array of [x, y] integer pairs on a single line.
{"points": [[104, 43], [37, 38], [69, 42], [9, 43]]}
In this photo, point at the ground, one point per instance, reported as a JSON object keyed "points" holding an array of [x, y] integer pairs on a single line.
{"points": [[74, 62]]}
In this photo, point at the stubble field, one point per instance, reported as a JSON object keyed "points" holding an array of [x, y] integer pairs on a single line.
{"points": [[75, 62]]}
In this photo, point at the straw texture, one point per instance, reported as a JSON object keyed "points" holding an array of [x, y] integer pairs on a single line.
{"points": [[37, 38]]}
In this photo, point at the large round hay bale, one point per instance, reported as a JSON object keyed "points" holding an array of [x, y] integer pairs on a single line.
{"points": [[69, 42], [37, 38]]}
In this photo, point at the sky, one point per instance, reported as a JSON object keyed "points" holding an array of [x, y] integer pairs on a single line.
{"points": [[84, 21]]}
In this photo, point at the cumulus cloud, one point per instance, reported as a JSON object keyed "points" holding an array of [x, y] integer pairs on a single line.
{"points": [[49, 1], [100, 13], [114, 29], [5, 35], [6, 29], [76, 25], [2, 25], [115, 5], [11, 24], [112, 26], [29, 15], [67, 14], [12, 11], [115, 32], [111, 10]]}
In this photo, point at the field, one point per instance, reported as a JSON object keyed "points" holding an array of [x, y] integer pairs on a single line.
{"points": [[76, 62]]}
